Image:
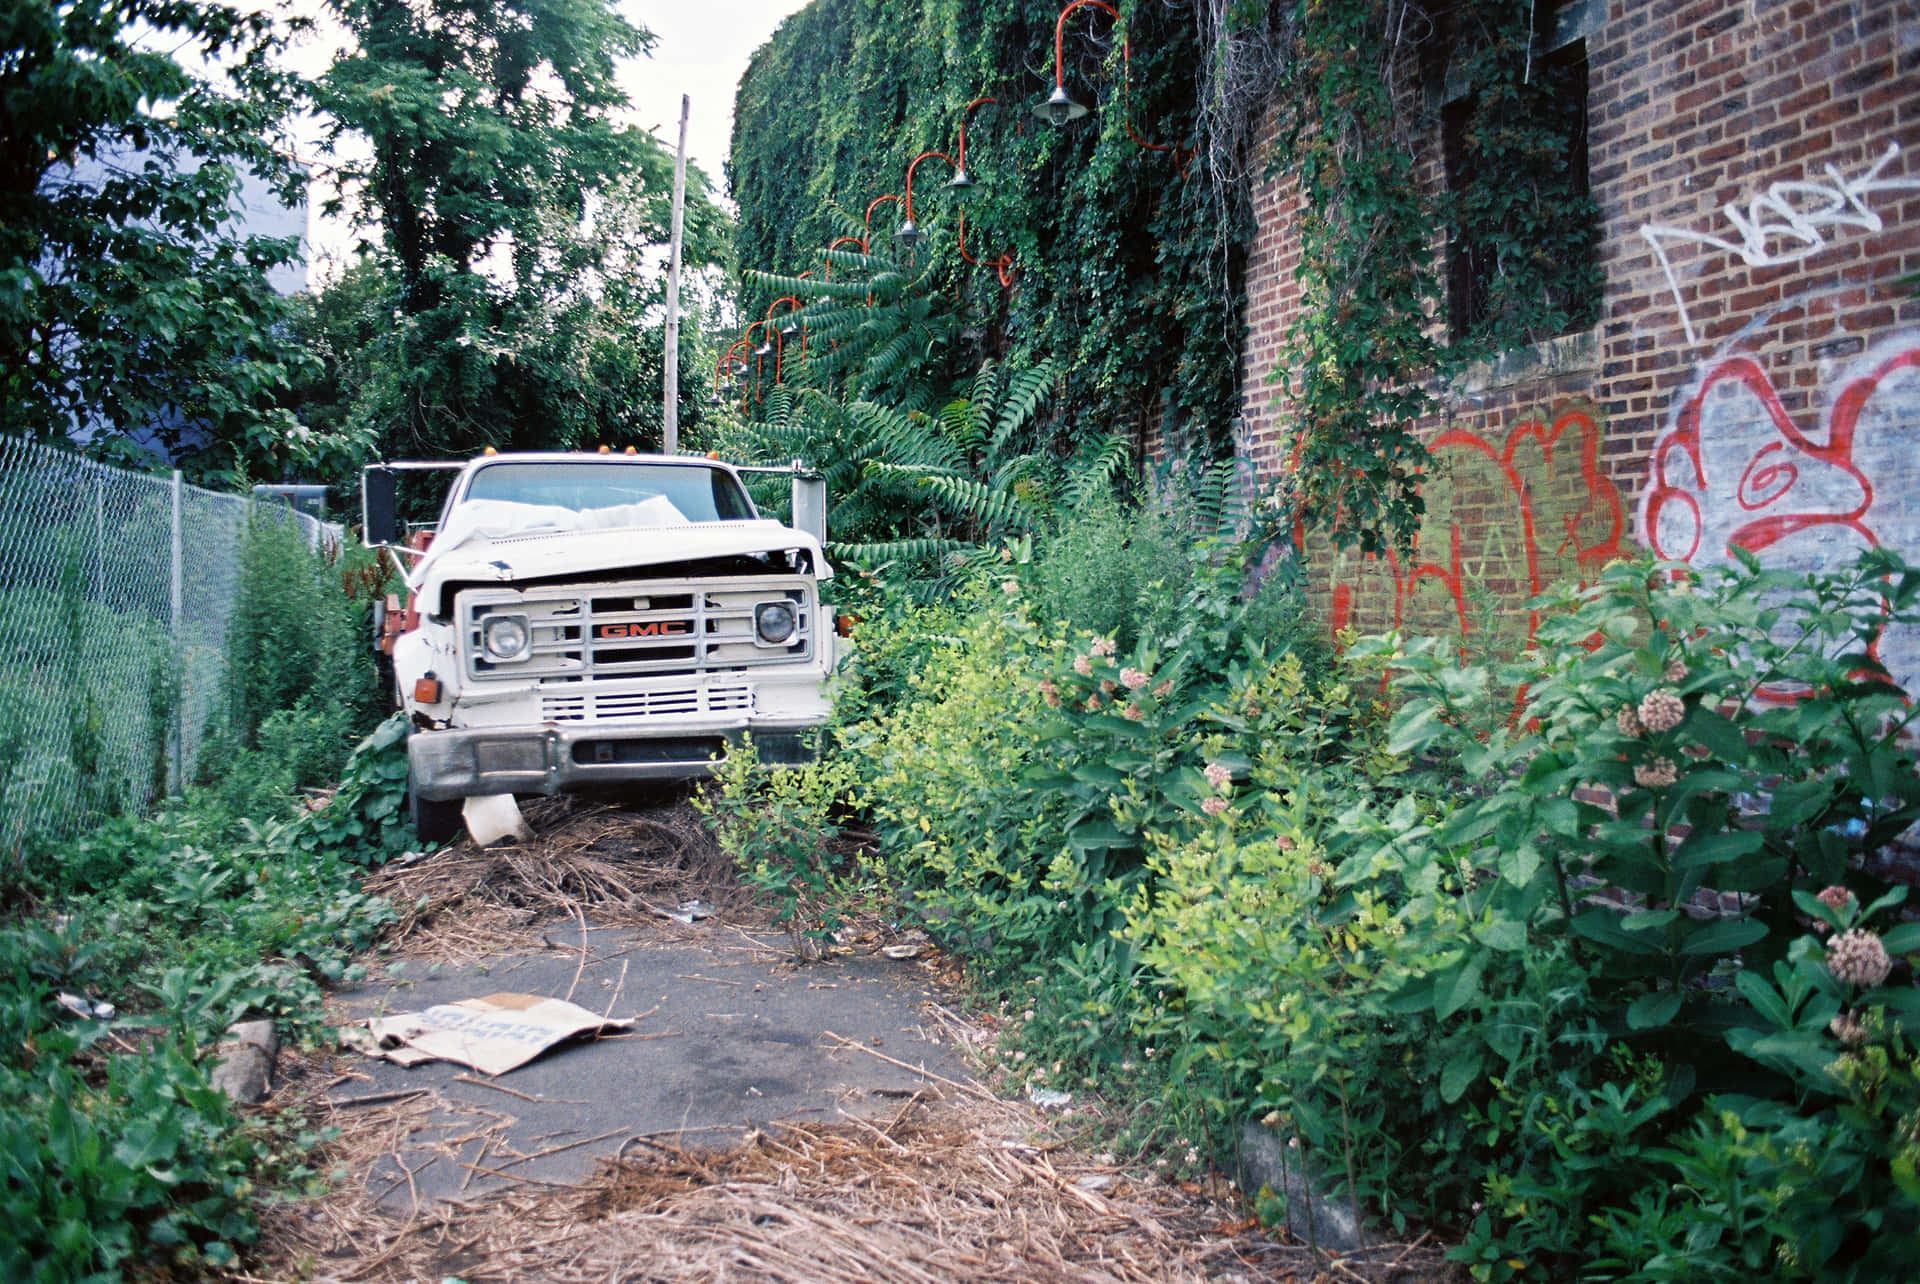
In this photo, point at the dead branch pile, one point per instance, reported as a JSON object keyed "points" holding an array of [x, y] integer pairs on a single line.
{"points": [[615, 864], [948, 1192]]}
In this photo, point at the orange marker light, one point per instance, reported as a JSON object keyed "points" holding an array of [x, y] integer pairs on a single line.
{"points": [[427, 691]]}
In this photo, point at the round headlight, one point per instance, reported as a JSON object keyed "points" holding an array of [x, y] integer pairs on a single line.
{"points": [[506, 638], [775, 622]]}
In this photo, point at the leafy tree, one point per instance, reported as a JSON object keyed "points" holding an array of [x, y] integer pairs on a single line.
{"points": [[515, 217], [129, 306]]}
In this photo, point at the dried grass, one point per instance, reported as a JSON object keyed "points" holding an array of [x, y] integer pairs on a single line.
{"points": [[961, 1187], [615, 864], [950, 1190]]}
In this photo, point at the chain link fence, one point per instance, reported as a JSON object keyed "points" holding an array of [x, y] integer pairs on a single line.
{"points": [[115, 592]]}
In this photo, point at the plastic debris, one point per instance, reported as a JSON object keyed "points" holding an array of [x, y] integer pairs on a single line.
{"points": [[85, 1009], [492, 817]]}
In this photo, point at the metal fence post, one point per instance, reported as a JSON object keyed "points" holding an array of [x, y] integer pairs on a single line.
{"points": [[99, 539], [177, 620]]}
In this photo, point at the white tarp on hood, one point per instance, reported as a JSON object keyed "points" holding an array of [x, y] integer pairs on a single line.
{"points": [[491, 519]]}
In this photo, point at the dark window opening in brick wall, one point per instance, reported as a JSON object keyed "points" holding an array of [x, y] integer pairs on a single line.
{"points": [[1552, 239]]}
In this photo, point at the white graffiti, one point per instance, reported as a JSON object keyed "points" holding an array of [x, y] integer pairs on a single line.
{"points": [[1786, 223]]}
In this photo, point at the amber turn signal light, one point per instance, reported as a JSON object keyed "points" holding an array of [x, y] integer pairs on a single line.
{"points": [[426, 691]]}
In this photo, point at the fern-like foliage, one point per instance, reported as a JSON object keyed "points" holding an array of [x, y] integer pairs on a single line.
{"points": [[909, 486]]}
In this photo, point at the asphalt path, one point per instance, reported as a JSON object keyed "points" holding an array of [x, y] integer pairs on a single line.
{"points": [[731, 1033]]}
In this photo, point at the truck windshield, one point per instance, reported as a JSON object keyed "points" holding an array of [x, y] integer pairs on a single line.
{"points": [[700, 494]]}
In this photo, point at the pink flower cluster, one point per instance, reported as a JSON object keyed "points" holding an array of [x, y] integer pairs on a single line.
{"points": [[1662, 710], [1658, 774], [1217, 776], [1858, 958], [1214, 805], [1848, 1029], [1131, 679], [1835, 898]]}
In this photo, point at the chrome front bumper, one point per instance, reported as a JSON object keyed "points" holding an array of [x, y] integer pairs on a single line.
{"points": [[468, 762]]}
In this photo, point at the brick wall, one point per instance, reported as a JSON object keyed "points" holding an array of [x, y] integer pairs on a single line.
{"points": [[1755, 377]]}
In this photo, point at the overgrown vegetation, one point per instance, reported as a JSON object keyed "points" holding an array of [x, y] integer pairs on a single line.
{"points": [[1589, 958], [1125, 262], [1126, 239], [135, 943], [134, 312]]}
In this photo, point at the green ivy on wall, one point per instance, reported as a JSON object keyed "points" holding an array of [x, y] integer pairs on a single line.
{"points": [[1129, 263], [1121, 277]]}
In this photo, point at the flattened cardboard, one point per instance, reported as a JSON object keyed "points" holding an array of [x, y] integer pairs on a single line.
{"points": [[495, 1034]]}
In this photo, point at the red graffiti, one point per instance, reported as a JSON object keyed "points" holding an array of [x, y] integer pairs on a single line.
{"points": [[1591, 532], [1735, 470], [1795, 482]]}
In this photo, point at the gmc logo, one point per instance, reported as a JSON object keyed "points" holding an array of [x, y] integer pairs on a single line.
{"points": [[652, 629]]}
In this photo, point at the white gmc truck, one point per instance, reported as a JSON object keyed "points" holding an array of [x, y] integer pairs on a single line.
{"points": [[578, 620]]}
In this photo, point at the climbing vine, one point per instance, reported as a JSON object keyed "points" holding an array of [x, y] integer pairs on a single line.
{"points": [[1120, 275], [1437, 153], [1376, 87], [1361, 341]]}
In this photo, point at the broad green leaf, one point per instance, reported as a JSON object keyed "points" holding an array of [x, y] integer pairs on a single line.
{"points": [[1655, 1009], [1704, 849], [1459, 1074], [1096, 773], [1520, 865], [1723, 936], [1723, 739], [1796, 804], [1457, 989], [1902, 939], [1766, 1000], [1603, 927], [1416, 727], [1504, 934], [1097, 832], [1757, 874]]}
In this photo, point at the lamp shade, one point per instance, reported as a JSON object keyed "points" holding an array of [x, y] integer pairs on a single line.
{"points": [[1060, 107]]}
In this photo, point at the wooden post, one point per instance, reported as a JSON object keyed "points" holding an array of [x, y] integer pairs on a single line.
{"points": [[670, 404]]}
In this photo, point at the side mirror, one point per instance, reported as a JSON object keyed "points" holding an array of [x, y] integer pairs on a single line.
{"points": [[379, 506], [810, 505]]}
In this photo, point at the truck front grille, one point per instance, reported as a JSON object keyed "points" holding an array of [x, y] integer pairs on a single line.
{"points": [[635, 629], [596, 706]]}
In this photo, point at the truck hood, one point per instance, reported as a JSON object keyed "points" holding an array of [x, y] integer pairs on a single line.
{"points": [[470, 553]]}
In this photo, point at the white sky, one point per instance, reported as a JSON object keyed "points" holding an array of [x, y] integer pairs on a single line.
{"points": [[700, 49]]}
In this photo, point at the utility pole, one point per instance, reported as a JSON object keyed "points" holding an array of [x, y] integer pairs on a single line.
{"points": [[670, 402]]}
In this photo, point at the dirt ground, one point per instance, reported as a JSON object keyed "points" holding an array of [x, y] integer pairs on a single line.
{"points": [[952, 1184]]}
